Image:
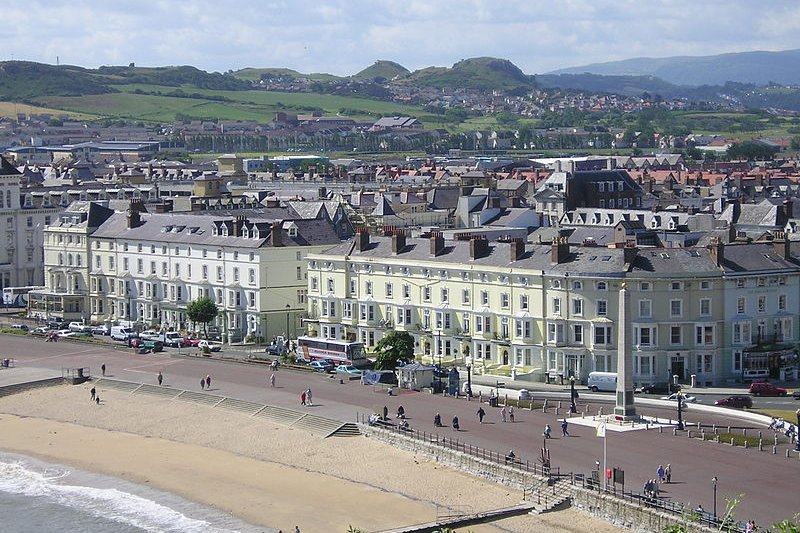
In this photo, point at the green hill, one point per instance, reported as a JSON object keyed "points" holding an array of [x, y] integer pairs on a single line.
{"points": [[20, 80], [623, 85], [387, 70], [173, 77], [477, 73], [256, 74]]}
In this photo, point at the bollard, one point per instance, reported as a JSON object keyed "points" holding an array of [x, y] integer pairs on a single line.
{"points": [[744, 432], [714, 427], [698, 425], [745, 444], [717, 439], [544, 408], [556, 411], [774, 450], [530, 405], [731, 441], [787, 453], [559, 404], [674, 432], [703, 434], [661, 429], [505, 400], [600, 411], [760, 444], [776, 439], [689, 433], [760, 435], [729, 429]]}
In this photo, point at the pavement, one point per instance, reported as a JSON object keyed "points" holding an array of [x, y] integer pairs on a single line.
{"points": [[768, 482]]}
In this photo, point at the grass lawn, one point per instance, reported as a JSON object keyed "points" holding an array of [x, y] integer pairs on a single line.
{"points": [[10, 110]]}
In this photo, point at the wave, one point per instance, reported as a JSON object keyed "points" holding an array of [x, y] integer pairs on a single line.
{"points": [[17, 477]]}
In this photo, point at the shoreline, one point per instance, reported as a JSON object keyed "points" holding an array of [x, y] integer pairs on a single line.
{"points": [[264, 474]]}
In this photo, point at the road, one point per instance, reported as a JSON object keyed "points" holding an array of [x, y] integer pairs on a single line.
{"points": [[768, 482]]}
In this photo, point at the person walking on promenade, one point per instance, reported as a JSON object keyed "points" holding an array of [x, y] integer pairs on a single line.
{"points": [[296, 529], [503, 413], [303, 398], [160, 377], [547, 431], [208, 381], [481, 413], [437, 420], [511, 414], [310, 402], [103, 369], [202, 383], [564, 432], [660, 473], [272, 380], [455, 423], [93, 392], [401, 412], [668, 473]]}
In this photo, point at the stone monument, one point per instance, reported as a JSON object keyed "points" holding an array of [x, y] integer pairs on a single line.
{"points": [[624, 408]]}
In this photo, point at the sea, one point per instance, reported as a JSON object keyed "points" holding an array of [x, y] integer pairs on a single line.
{"points": [[40, 497]]}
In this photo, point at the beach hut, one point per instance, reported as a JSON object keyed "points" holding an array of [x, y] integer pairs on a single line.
{"points": [[416, 376]]}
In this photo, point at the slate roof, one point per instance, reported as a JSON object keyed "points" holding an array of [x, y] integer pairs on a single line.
{"points": [[7, 169]]}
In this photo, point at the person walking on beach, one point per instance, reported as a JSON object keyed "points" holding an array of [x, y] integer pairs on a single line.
{"points": [[308, 398], [272, 380], [503, 413], [160, 377], [202, 383], [93, 392], [97, 400], [511, 414], [103, 369], [564, 432], [481, 413], [668, 473], [303, 398], [296, 529], [208, 381]]}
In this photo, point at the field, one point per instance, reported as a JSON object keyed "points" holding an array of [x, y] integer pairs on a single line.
{"points": [[11, 109]]}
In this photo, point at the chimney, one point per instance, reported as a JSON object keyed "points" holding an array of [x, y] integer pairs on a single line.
{"points": [[717, 249], [437, 243], [134, 213], [611, 163], [786, 209], [362, 239], [322, 193], [782, 245], [238, 225], [398, 241], [277, 233], [517, 249], [478, 247], [629, 254], [559, 250]]}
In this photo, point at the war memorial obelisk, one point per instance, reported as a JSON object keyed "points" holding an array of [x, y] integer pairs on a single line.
{"points": [[624, 408]]}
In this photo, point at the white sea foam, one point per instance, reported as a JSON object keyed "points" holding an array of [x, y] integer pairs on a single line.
{"points": [[20, 478]]}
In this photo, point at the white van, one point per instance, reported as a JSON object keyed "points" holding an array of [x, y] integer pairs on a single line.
{"points": [[119, 333], [602, 381]]}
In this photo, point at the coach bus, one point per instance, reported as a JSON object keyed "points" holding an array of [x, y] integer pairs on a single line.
{"points": [[337, 351], [17, 296]]}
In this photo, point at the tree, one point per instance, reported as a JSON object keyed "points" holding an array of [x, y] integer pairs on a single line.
{"points": [[392, 347], [203, 310]]}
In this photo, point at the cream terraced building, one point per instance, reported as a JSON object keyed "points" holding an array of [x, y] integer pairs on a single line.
{"points": [[525, 310], [147, 267]]}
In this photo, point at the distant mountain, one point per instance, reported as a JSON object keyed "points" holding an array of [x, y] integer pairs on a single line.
{"points": [[476, 73], [758, 68], [388, 70], [622, 85]]}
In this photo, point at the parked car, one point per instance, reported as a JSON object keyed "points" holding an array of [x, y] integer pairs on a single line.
{"points": [[209, 345], [796, 394], [101, 330], [766, 389], [77, 334], [272, 350], [79, 326], [21, 327], [42, 330], [120, 333], [348, 369], [153, 346], [150, 335], [191, 342], [300, 361], [739, 402], [660, 388], [686, 397], [321, 366]]}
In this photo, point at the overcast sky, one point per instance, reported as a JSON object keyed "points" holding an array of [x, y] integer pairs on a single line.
{"points": [[344, 36]]}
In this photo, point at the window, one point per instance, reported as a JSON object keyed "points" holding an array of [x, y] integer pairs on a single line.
{"points": [[389, 290], [556, 306], [705, 285], [643, 365], [645, 308], [445, 293], [465, 320], [645, 286], [705, 307], [602, 307], [705, 363], [602, 334], [577, 306], [577, 333], [331, 285], [675, 335], [347, 310], [740, 304], [676, 308], [740, 283], [219, 273], [741, 332], [353, 286], [484, 298], [704, 335], [676, 285], [504, 300], [761, 282], [406, 291], [426, 294], [299, 272], [644, 336], [465, 296], [762, 304], [577, 285], [522, 328], [368, 288], [782, 302], [602, 286], [314, 282], [555, 283], [555, 333], [251, 275]]}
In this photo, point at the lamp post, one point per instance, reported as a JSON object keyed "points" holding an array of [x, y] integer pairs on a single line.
{"points": [[469, 380], [797, 434], [439, 353], [286, 338], [572, 407], [714, 484], [679, 396]]}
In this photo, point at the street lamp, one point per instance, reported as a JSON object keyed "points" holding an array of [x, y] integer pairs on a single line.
{"points": [[714, 484], [797, 434], [572, 407], [286, 338], [679, 396], [469, 380]]}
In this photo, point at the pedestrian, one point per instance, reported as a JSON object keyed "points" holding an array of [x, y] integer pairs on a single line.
{"points": [[510, 456], [303, 398], [296, 529], [750, 527], [481, 413], [455, 423], [103, 369], [668, 473], [437, 420], [202, 383], [511, 414], [208, 381], [309, 402], [660, 473], [272, 380], [94, 392], [564, 432], [97, 400], [503, 413], [160, 377], [385, 412], [547, 431], [401, 413]]}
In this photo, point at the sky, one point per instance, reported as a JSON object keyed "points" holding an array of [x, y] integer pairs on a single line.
{"points": [[343, 37]]}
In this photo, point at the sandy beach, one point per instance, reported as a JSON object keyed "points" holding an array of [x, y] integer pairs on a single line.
{"points": [[260, 472]]}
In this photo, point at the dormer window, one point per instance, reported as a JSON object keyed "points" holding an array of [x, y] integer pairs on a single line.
{"points": [[256, 234], [245, 233], [292, 231]]}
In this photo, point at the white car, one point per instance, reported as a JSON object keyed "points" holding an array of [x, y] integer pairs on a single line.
{"points": [[211, 345], [686, 398], [79, 326]]}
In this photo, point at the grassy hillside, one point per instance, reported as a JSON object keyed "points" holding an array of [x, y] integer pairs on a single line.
{"points": [[477, 73], [256, 74], [20, 80], [11, 109], [388, 70], [624, 85]]}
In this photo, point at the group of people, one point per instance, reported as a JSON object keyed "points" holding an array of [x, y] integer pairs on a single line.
{"points": [[205, 383], [548, 431], [663, 475], [306, 397], [787, 428], [437, 422], [95, 396]]}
